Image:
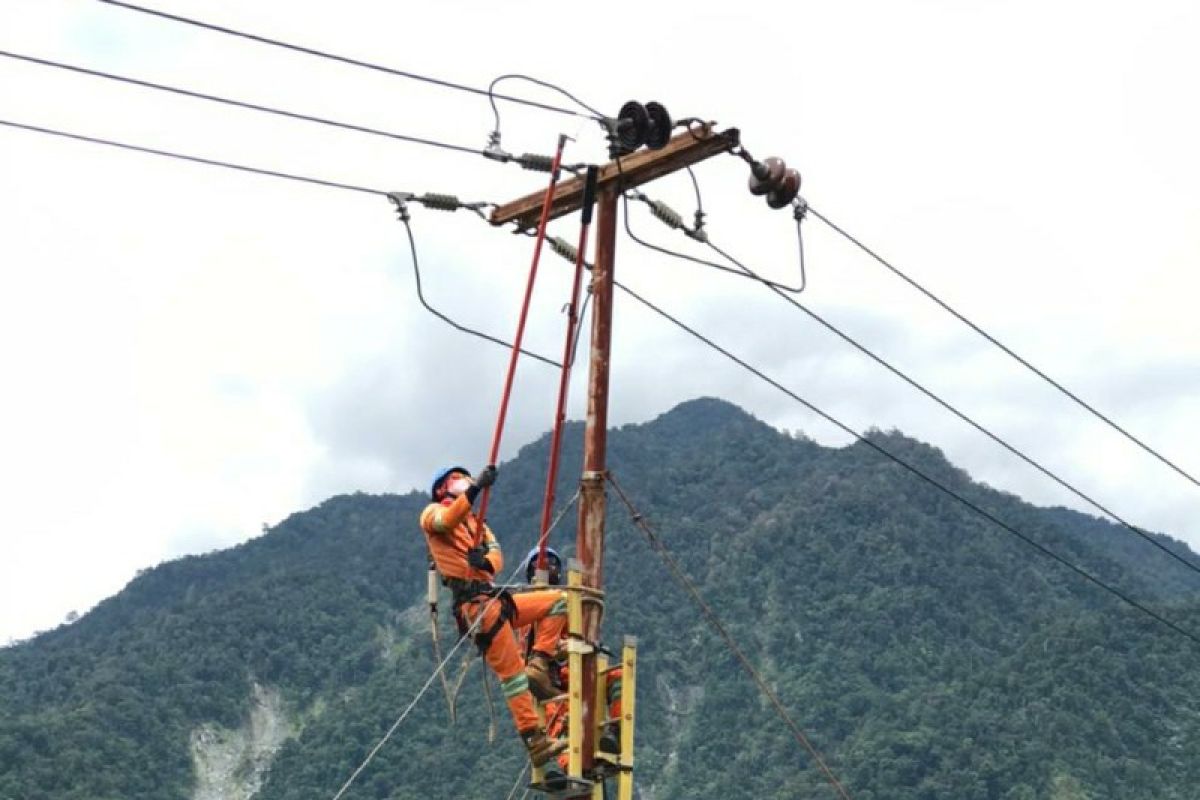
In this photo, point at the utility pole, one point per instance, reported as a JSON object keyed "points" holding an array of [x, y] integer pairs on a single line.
{"points": [[687, 148]]}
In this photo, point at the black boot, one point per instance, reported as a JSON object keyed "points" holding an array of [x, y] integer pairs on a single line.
{"points": [[610, 738]]}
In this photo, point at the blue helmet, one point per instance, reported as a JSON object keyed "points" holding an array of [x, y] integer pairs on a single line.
{"points": [[553, 564], [440, 476]]}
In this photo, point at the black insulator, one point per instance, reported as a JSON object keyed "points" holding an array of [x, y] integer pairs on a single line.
{"points": [[664, 212], [786, 191], [658, 133], [765, 175], [535, 162], [440, 202], [633, 124], [563, 248]]}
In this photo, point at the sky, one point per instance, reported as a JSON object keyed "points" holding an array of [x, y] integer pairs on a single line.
{"points": [[191, 354]]}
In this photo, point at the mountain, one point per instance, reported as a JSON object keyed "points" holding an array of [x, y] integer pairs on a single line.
{"points": [[926, 652]]}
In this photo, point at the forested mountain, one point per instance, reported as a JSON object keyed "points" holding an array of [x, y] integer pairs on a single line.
{"points": [[927, 653]]}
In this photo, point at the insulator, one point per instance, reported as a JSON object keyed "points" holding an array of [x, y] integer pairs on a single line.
{"points": [[658, 132], [786, 191], [564, 248], [766, 174], [535, 162], [664, 212], [633, 124], [440, 202]]}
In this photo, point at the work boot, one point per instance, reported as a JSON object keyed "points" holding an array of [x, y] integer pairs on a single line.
{"points": [[610, 739], [541, 681], [554, 778], [541, 747]]}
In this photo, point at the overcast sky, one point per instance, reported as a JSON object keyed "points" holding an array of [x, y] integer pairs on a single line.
{"points": [[190, 353]]}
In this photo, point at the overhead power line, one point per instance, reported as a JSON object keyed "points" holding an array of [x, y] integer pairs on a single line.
{"points": [[446, 84], [945, 404], [239, 103], [441, 202], [212, 162], [1040, 548], [1011, 353]]}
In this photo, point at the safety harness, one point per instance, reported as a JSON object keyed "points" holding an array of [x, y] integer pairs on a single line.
{"points": [[466, 591]]}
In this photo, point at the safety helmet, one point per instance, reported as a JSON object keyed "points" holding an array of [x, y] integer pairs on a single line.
{"points": [[440, 476], [553, 565]]}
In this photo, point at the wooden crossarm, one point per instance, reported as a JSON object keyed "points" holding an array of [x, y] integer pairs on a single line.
{"points": [[683, 150]]}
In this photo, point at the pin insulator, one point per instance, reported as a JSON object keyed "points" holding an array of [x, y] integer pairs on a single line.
{"points": [[535, 162], [439, 202], [669, 216]]}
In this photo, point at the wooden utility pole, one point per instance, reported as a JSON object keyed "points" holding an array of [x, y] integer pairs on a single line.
{"points": [[683, 150]]}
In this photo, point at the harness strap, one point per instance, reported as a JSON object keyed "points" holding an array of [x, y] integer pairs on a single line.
{"points": [[468, 591]]}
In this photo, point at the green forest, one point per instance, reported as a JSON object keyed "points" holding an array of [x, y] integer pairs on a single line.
{"points": [[928, 654]]}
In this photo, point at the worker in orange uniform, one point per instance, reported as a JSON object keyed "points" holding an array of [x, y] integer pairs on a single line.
{"points": [[610, 734], [468, 557]]}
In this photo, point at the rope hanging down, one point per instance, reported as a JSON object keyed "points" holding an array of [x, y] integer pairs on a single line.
{"points": [[715, 623], [439, 668], [494, 454]]}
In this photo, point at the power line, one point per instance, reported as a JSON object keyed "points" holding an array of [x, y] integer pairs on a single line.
{"points": [[436, 201], [714, 622], [240, 103], [941, 402], [671, 219], [989, 337], [342, 59], [1045, 551], [412, 244], [212, 162]]}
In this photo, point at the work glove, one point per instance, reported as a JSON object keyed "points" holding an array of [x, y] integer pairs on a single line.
{"points": [[477, 558], [487, 476]]}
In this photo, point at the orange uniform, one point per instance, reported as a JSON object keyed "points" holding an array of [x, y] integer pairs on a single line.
{"points": [[452, 530]]}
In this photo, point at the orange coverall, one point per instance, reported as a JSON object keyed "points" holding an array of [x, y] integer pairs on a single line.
{"points": [[556, 712], [451, 529]]}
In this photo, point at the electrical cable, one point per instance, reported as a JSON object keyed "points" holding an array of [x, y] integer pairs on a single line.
{"points": [[448, 320], [714, 622], [492, 96], [656, 206], [305, 179], [951, 408], [194, 159], [341, 59], [989, 337], [1045, 551], [240, 103], [441, 666]]}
